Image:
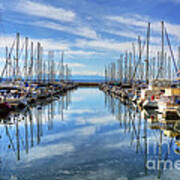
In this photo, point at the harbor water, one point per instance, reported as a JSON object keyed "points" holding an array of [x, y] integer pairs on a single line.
{"points": [[88, 135]]}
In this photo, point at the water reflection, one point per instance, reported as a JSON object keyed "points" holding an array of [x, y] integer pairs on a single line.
{"points": [[86, 134], [22, 127], [152, 136]]}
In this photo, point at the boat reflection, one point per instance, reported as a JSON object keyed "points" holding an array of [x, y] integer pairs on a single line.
{"points": [[24, 129], [153, 136]]}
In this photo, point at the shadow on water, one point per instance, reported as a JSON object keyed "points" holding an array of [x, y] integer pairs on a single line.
{"points": [[88, 135]]}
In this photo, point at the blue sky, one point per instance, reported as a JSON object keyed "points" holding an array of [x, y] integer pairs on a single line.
{"points": [[91, 32]]}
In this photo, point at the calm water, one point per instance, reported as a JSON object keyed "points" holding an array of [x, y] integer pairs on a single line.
{"points": [[87, 135]]}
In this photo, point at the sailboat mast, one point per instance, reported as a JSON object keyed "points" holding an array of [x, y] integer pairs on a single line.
{"points": [[162, 50], [17, 55], [147, 54], [26, 59]]}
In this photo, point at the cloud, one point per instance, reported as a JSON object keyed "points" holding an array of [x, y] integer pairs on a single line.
{"points": [[80, 111], [135, 20], [127, 34], [104, 44], [132, 35], [82, 53], [45, 11], [75, 29], [50, 44], [129, 20], [76, 65]]}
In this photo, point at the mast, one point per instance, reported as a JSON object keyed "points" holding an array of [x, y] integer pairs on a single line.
{"points": [[7, 61], [44, 71], [130, 66], [158, 63], [125, 66], [154, 60], [159, 73], [38, 62], [49, 56], [134, 57], [52, 66], [59, 68], [17, 55], [169, 67], [162, 50], [41, 63], [139, 58], [26, 59], [113, 71], [147, 54], [178, 58], [119, 70], [10, 66], [105, 74], [165, 65], [66, 72], [31, 66], [62, 65]]}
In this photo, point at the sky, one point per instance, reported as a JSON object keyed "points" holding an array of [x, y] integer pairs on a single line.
{"points": [[92, 33]]}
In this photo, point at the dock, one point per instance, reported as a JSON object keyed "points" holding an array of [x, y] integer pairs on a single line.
{"points": [[88, 84]]}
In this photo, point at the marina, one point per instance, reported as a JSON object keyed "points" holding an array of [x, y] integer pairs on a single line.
{"points": [[74, 138], [89, 90], [128, 115]]}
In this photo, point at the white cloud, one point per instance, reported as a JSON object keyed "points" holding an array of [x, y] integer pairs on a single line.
{"points": [[135, 21], [49, 44], [80, 111], [46, 11], [173, 29], [82, 53], [76, 29], [76, 65], [52, 44], [122, 33], [87, 32], [129, 20], [104, 44], [132, 35]]}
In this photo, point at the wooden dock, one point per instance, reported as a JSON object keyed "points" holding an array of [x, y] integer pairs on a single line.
{"points": [[88, 84]]}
